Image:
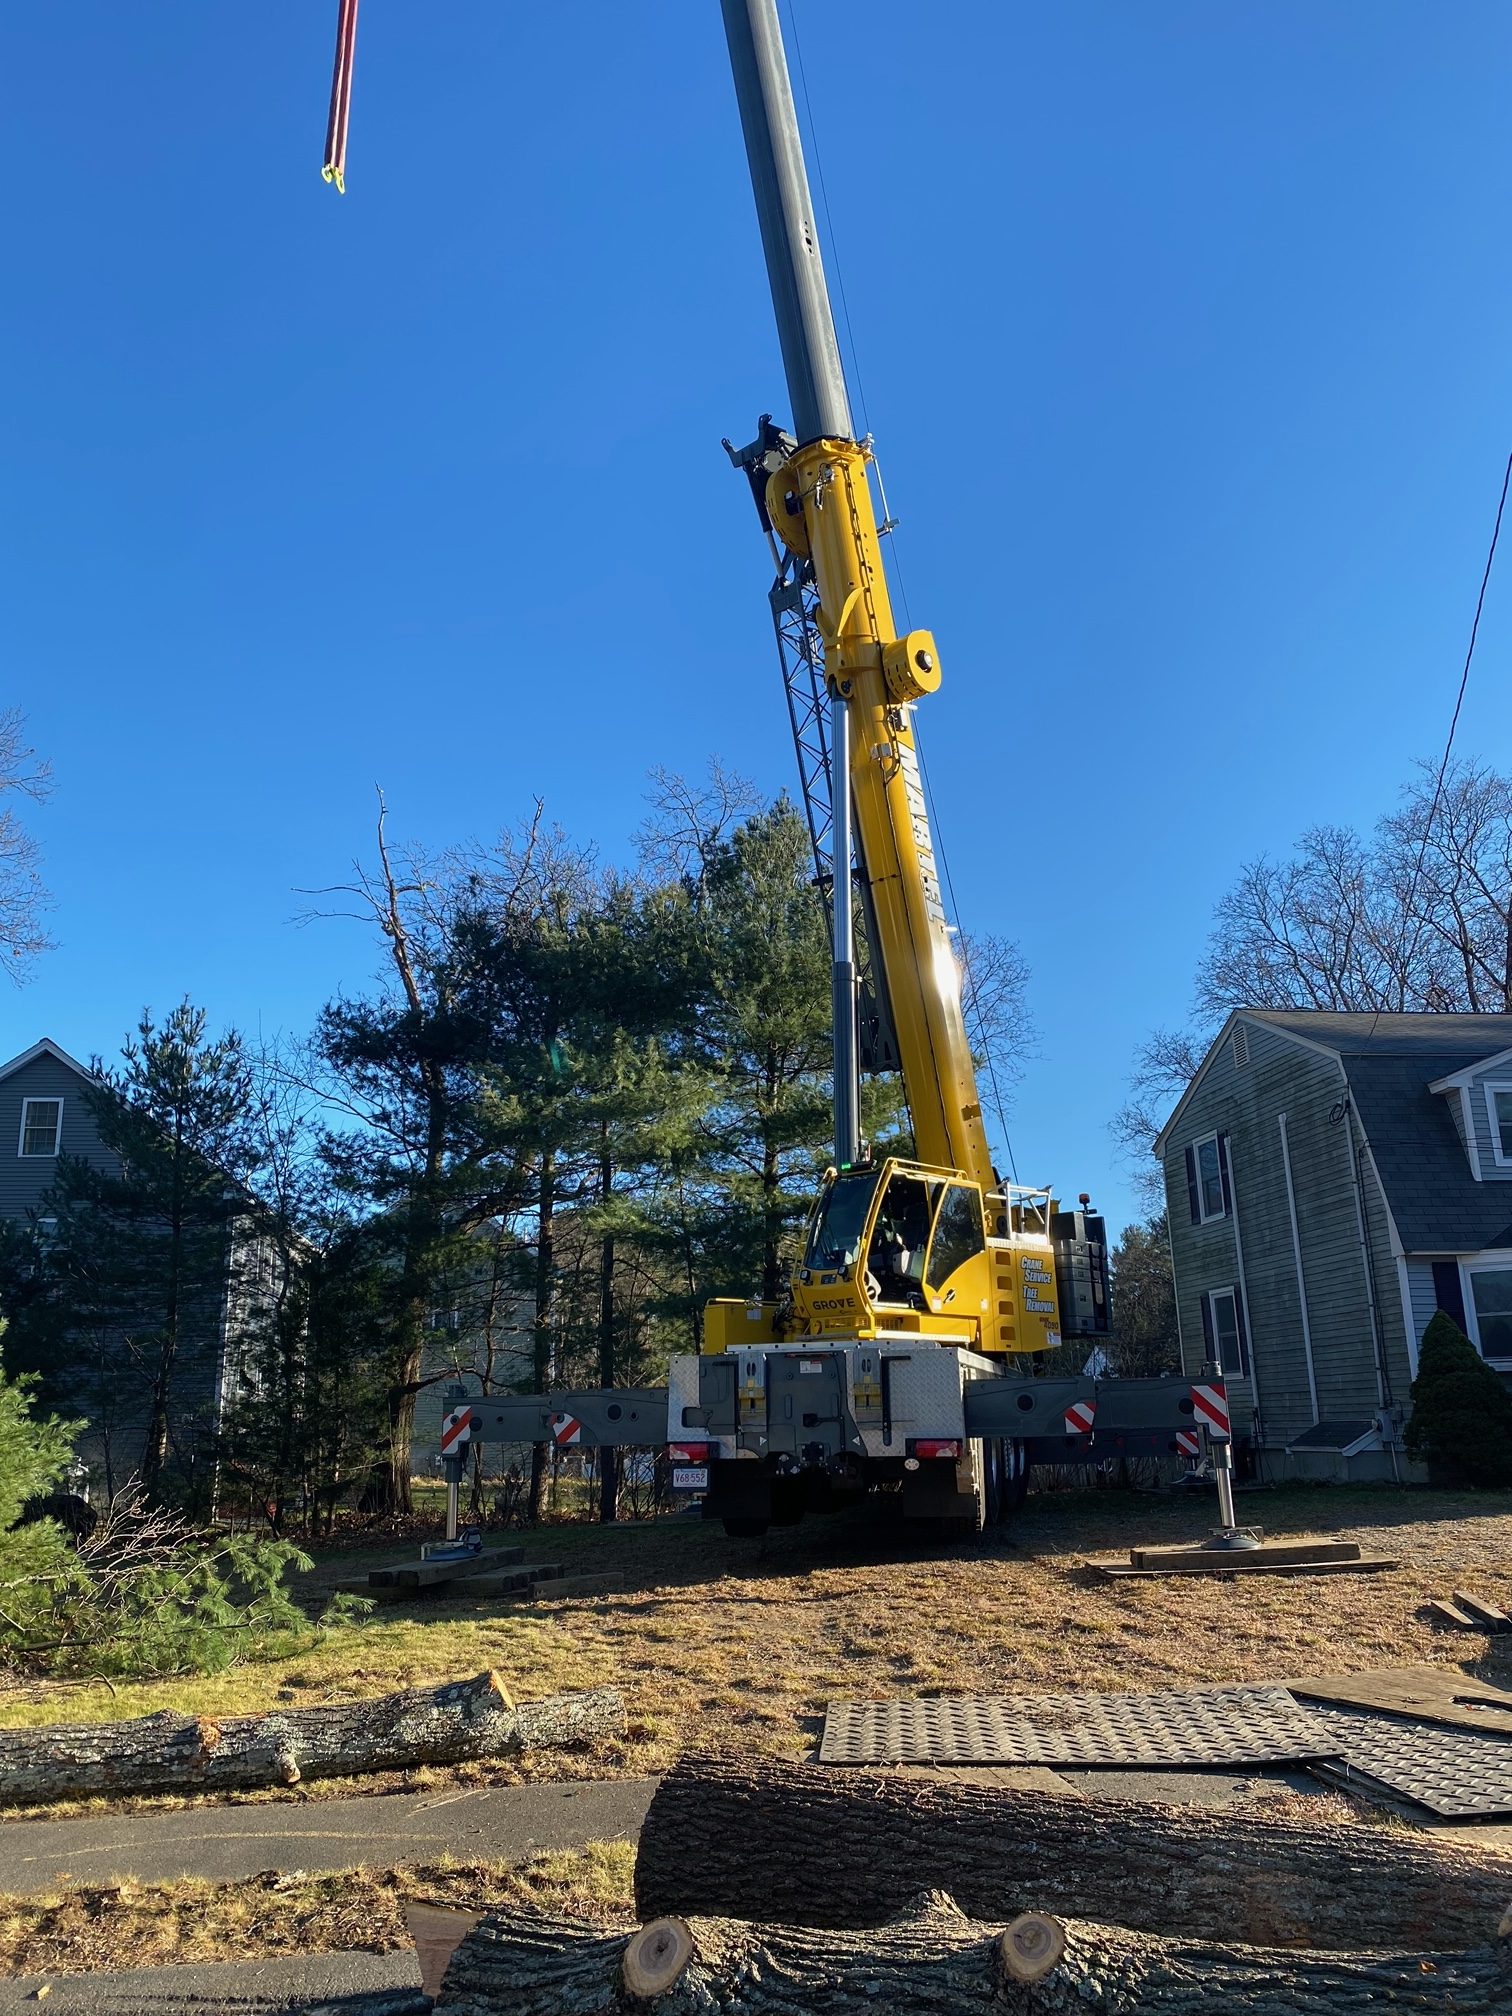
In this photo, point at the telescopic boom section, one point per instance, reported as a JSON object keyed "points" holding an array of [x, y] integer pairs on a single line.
{"points": [[820, 505]]}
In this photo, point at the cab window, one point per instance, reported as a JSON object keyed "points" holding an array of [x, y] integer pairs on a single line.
{"points": [[958, 1234], [895, 1258]]}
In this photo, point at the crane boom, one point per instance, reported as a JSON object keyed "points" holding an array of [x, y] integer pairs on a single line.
{"points": [[818, 501]]}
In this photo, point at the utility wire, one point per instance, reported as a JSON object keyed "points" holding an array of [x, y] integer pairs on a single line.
{"points": [[1407, 953]]}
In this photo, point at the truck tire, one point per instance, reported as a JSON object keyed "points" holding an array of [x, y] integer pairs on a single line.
{"points": [[745, 1529]]}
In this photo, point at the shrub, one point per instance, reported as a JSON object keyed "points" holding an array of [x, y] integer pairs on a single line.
{"points": [[34, 1454], [1461, 1411], [145, 1593]]}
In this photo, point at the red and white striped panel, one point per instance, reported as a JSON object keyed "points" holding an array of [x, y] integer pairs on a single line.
{"points": [[1210, 1405], [1189, 1442], [456, 1431], [1080, 1416], [566, 1430]]}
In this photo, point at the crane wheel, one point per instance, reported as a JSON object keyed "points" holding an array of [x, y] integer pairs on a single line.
{"points": [[745, 1529]]}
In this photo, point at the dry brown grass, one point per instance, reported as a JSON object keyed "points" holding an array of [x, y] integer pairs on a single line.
{"points": [[742, 1644], [99, 1930]]}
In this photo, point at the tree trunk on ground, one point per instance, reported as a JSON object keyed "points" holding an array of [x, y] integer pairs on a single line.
{"points": [[815, 1845], [193, 1753], [930, 1960]]}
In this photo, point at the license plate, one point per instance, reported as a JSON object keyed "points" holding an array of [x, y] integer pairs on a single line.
{"points": [[693, 1477]]}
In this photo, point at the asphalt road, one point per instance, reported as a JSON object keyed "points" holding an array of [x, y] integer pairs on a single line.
{"points": [[337, 1984], [505, 1823]]}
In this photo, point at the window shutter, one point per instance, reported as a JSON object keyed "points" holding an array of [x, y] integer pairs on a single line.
{"points": [[1194, 1196], [1244, 1350], [1223, 1171], [1209, 1354], [1447, 1291]]}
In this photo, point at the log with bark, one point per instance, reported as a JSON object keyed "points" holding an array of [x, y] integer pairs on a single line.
{"points": [[931, 1960], [813, 1845], [199, 1753]]}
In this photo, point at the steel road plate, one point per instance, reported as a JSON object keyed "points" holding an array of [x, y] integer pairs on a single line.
{"points": [[1205, 1725], [1459, 1773]]}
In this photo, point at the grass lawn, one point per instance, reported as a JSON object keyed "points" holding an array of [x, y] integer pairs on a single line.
{"points": [[739, 1645], [103, 1929]]}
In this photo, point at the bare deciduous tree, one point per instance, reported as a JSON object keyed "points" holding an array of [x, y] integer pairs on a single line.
{"points": [[995, 1000], [1416, 918], [689, 822], [1448, 865], [23, 899]]}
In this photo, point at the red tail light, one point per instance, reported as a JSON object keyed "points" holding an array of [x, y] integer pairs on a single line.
{"points": [[687, 1452], [925, 1449]]}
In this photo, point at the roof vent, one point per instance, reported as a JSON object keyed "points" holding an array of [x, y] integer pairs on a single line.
{"points": [[1241, 1045]]}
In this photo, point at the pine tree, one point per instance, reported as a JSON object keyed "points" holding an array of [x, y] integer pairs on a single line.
{"points": [[140, 1256]]}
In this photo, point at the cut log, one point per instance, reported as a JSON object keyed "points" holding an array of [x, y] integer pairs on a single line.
{"points": [[195, 1753], [812, 1845], [931, 1960]]}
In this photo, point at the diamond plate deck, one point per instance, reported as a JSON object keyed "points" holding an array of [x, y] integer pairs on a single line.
{"points": [[1206, 1725], [1460, 1774]]}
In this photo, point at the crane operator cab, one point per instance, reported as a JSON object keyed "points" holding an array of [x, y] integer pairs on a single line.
{"points": [[904, 1250], [901, 1248]]}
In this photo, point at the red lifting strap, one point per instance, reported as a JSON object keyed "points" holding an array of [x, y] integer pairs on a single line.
{"points": [[341, 96]]}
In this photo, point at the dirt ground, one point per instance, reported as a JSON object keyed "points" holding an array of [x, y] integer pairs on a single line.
{"points": [[739, 1646]]}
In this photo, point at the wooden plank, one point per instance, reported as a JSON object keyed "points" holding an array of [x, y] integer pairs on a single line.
{"points": [[1443, 1694], [413, 1574], [1450, 1613], [1279, 1552], [1241, 1564], [547, 1590], [1485, 1613]]}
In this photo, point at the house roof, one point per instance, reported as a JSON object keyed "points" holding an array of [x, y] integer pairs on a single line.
{"points": [[1391, 1063], [46, 1048], [1464, 1039], [1436, 1202]]}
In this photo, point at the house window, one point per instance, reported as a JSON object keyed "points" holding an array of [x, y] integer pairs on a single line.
{"points": [[1223, 1331], [1499, 1112], [1207, 1179], [41, 1126], [1491, 1303]]}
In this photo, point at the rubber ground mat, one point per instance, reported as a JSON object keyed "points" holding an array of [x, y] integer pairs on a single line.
{"points": [[1460, 1774], [1204, 1725]]}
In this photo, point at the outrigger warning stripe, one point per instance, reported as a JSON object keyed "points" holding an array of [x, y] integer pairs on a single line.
{"points": [[1210, 1405], [341, 97]]}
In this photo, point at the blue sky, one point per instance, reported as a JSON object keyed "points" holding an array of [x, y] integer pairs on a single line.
{"points": [[1182, 328]]}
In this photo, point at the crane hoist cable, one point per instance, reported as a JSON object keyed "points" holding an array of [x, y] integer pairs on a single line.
{"points": [[341, 97]]}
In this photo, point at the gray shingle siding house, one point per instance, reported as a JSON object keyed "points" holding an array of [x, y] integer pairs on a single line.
{"points": [[44, 1112], [1332, 1180]]}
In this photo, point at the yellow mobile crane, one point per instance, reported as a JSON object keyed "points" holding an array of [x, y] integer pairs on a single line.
{"points": [[928, 1290]]}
